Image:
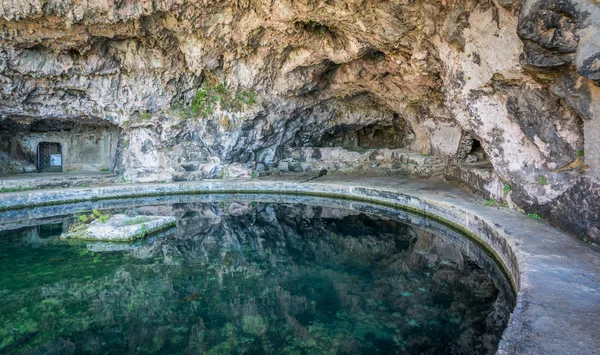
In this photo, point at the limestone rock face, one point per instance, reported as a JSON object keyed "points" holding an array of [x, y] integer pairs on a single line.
{"points": [[214, 89]]}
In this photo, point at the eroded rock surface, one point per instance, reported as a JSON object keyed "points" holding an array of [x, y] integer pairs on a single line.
{"points": [[204, 89]]}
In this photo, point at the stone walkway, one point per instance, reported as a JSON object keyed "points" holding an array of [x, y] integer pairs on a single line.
{"points": [[557, 276], [49, 180]]}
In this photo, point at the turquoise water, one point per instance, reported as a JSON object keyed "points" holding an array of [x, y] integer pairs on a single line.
{"points": [[250, 278]]}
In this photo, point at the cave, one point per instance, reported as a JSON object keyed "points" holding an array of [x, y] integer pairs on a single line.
{"points": [[482, 114], [374, 136], [477, 155], [56, 146]]}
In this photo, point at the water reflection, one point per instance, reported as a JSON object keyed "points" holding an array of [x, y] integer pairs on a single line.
{"points": [[252, 278]]}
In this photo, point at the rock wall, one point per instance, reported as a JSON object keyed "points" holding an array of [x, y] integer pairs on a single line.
{"points": [[504, 93]]}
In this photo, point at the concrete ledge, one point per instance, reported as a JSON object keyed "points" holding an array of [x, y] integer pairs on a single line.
{"points": [[33, 181], [557, 277]]}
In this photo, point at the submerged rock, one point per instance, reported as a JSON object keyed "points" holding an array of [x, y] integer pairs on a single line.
{"points": [[121, 228]]}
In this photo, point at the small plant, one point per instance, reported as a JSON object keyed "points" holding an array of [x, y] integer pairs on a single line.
{"points": [[100, 216], [542, 180], [507, 189], [581, 152], [495, 203], [143, 230], [83, 218], [145, 116], [254, 175], [490, 202], [534, 216]]}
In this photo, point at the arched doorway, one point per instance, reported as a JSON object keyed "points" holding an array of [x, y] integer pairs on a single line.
{"points": [[50, 157]]}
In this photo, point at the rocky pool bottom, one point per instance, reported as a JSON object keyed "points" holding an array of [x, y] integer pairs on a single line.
{"points": [[251, 278]]}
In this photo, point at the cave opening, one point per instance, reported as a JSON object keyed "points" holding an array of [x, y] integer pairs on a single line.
{"points": [[57, 146], [477, 154], [375, 136]]}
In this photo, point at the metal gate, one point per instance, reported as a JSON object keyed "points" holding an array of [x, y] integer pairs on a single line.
{"points": [[49, 158]]}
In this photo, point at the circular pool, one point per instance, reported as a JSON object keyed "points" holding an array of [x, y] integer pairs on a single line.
{"points": [[251, 274]]}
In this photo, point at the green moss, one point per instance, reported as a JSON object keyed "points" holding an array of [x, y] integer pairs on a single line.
{"points": [[145, 116], [495, 203], [506, 189], [490, 202], [136, 220], [254, 325], [15, 189], [534, 216], [581, 152], [209, 97], [542, 180]]}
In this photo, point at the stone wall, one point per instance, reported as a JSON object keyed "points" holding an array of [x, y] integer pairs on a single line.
{"points": [[84, 148]]}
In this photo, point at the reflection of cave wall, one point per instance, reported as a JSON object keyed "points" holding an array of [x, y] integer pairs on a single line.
{"points": [[85, 146], [291, 268]]}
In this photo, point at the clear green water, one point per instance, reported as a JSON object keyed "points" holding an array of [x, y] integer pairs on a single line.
{"points": [[250, 278]]}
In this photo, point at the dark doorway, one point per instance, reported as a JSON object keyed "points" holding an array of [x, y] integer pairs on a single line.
{"points": [[50, 230], [49, 158]]}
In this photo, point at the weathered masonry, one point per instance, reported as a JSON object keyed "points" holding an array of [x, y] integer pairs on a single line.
{"points": [[56, 146]]}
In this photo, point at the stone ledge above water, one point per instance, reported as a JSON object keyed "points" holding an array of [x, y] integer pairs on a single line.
{"points": [[120, 228]]}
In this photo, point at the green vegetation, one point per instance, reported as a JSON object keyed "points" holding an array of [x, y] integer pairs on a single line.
{"points": [[581, 152], [542, 180], [506, 189], [15, 189], [143, 230], [82, 220], [145, 116], [534, 216], [254, 175], [495, 203], [137, 220], [490, 202], [209, 97], [100, 216]]}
